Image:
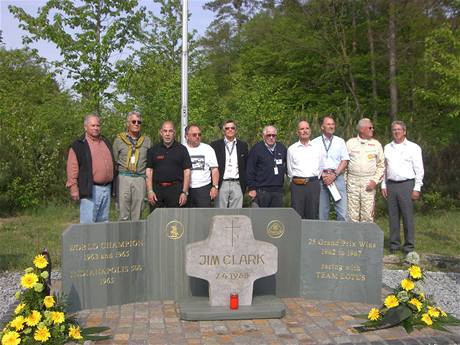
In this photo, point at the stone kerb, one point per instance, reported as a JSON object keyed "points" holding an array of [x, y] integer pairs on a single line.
{"points": [[230, 259]]}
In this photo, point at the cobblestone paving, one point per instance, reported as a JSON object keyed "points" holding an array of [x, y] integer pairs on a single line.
{"points": [[306, 322]]}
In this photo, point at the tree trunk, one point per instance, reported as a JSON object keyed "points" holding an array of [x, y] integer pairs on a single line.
{"points": [[392, 60], [370, 37], [341, 37]]}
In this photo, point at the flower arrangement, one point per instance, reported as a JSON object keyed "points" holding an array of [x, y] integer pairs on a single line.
{"points": [[40, 317], [408, 306]]}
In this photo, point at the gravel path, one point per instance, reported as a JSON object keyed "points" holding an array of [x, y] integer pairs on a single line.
{"points": [[444, 287]]}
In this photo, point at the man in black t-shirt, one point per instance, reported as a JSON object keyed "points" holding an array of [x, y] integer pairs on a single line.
{"points": [[168, 170]]}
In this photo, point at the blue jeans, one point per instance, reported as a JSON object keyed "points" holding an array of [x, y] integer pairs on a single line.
{"points": [[96, 209], [340, 206]]}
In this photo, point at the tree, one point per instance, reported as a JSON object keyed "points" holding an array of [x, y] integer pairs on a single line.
{"points": [[442, 67], [34, 134], [88, 34]]}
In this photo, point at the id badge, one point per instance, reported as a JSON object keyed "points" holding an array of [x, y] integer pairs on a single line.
{"points": [[275, 170], [133, 159], [278, 161]]}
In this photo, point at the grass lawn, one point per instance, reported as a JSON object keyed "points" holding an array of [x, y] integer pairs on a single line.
{"points": [[436, 232], [22, 237]]}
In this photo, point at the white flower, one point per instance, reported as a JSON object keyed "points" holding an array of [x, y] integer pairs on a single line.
{"points": [[412, 258]]}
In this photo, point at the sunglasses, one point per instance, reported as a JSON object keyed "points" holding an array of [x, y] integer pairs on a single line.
{"points": [[196, 135], [136, 122], [270, 135], [229, 128]]}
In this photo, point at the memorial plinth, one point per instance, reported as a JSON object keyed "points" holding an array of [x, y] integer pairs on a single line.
{"points": [[124, 262]]}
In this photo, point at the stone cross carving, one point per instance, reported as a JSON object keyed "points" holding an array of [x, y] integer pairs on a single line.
{"points": [[230, 259]]}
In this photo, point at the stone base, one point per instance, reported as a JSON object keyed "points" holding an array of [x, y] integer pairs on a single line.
{"points": [[263, 307]]}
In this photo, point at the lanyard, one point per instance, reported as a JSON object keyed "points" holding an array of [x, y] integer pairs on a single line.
{"points": [[230, 151], [273, 153], [326, 147]]}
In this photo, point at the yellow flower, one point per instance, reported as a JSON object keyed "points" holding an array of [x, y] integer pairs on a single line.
{"points": [[11, 338], [19, 308], [373, 314], [391, 301], [40, 261], [42, 334], [433, 312], [417, 303], [48, 301], [74, 332], [34, 318], [18, 322], [415, 272], [407, 284], [28, 280], [57, 317], [421, 295], [427, 319]]}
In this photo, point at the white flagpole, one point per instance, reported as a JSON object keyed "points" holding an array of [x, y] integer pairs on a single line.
{"points": [[184, 110]]}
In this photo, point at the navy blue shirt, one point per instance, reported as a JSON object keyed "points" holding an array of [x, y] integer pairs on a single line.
{"points": [[262, 166]]}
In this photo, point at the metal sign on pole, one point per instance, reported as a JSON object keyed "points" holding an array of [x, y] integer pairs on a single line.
{"points": [[184, 109]]}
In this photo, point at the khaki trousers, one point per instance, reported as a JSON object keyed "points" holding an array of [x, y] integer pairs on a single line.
{"points": [[131, 195]]}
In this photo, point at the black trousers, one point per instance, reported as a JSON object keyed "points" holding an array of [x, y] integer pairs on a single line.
{"points": [[199, 197], [167, 196], [305, 199], [268, 199]]}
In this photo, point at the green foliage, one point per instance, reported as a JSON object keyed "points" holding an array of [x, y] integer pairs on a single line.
{"points": [[442, 66], [36, 125], [87, 35], [433, 201]]}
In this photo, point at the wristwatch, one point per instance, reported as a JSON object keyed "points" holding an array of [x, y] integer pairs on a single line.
{"points": [[216, 186], [186, 193]]}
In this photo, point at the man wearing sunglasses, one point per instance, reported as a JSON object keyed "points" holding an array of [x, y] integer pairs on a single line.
{"points": [[130, 152], [231, 157], [266, 167], [364, 172], [90, 172], [204, 180]]}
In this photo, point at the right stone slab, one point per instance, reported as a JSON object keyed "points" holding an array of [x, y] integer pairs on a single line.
{"points": [[341, 261]]}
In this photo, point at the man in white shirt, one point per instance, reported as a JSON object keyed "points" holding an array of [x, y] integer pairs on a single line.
{"points": [[364, 172], [402, 184], [232, 155], [204, 179], [303, 167], [333, 165]]}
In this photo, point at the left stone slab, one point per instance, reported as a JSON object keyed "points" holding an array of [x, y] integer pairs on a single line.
{"points": [[230, 259], [105, 264]]}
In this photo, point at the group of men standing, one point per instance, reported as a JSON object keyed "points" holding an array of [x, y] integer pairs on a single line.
{"points": [[322, 171]]}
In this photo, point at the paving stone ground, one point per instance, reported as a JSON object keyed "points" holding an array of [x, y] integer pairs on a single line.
{"points": [[306, 322]]}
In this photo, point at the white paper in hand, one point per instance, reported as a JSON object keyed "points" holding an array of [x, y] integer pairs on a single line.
{"points": [[334, 192]]}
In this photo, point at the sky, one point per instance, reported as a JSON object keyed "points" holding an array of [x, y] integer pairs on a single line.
{"points": [[12, 34]]}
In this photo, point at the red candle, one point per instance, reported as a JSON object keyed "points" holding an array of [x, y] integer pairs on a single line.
{"points": [[233, 301]]}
